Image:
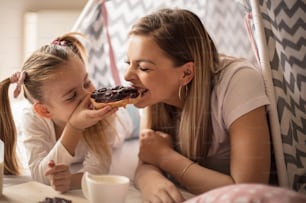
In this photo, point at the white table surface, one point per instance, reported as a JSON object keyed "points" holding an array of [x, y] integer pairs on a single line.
{"points": [[22, 189], [33, 192]]}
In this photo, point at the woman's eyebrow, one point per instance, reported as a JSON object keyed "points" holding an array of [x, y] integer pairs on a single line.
{"points": [[146, 61]]}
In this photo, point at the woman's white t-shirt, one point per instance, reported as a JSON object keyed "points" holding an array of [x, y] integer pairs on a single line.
{"points": [[239, 90]]}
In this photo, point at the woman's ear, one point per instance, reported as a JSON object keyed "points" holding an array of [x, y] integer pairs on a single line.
{"points": [[188, 72], [41, 110]]}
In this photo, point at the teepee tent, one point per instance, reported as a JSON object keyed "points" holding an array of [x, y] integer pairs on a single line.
{"points": [[274, 36], [279, 30]]}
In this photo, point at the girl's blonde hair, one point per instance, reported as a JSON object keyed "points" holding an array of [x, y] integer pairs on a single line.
{"points": [[38, 67], [183, 38], [8, 132]]}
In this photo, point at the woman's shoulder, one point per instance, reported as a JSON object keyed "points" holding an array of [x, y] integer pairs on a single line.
{"points": [[230, 63], [231, 67], [239, 89]]}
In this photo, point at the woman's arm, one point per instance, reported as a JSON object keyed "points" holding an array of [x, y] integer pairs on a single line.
{"points": [[250, 157], [250, 147]]}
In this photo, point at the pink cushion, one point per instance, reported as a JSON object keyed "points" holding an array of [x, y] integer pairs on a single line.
{"points": [[249, 193]]}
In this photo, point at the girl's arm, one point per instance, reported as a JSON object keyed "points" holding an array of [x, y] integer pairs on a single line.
{"points": [[40, 145], [76, 180], [82, 118], [61, 178], [71, 137]]}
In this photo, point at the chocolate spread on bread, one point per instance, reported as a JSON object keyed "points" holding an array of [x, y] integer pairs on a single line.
{"points": [[112, 94], [55, 200]]}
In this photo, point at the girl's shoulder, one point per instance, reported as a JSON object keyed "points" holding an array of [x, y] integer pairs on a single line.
{"points": [[29, 120]]}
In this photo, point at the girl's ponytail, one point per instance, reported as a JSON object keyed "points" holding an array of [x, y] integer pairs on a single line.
{"points": [[8, 132]]}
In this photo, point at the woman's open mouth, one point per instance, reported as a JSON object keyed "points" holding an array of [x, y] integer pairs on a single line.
{"points": [[143, 91]]}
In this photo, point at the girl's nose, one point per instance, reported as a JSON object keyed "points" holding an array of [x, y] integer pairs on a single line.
{"points": [[84, 93], [87, 91]]}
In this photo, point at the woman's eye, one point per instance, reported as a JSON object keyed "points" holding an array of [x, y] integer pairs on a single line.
{"points": [[138, 66], [127, 62], [143, 68]]}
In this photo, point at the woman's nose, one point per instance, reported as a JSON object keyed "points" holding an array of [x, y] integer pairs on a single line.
{"points": [[129, 74]]}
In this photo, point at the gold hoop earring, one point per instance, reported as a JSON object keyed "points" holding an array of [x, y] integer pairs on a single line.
{"points": [[179, 93], [186, 92]]}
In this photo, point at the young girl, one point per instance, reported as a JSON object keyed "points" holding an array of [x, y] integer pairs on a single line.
{"points": [[205, 120], [60, 127]]}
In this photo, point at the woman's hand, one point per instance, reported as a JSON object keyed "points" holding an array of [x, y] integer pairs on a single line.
{"points": [[59, 176], [161, 190], [155, 188], [85, 116], [154, 146]]}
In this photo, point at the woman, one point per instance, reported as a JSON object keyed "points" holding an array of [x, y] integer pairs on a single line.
{"points": [[205, 120]]}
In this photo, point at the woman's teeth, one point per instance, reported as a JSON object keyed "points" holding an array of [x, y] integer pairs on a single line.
{"points": [[142, 92]]}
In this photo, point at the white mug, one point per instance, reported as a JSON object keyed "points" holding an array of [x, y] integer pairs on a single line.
{"points": [[105, 188]]}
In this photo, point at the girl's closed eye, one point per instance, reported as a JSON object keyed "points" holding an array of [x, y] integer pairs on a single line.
{"points": [[74, 95]]}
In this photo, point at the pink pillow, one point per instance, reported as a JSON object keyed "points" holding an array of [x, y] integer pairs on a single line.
{"points": [[249, 193]]}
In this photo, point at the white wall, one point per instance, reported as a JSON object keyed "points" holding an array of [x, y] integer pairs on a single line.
{"points": [[12, 28], [44, 26]]}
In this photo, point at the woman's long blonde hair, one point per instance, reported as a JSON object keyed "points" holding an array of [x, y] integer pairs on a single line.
{"points": [[38, 67], [183, 38]]}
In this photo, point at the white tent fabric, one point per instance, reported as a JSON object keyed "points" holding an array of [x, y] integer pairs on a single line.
{"points": [[278, 28]]}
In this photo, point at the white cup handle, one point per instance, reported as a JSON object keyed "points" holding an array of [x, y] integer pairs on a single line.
{"points": [[84, 184]]}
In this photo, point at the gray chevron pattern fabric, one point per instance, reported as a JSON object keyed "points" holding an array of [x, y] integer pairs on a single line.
{"points": [[98, 61], [225, 22], [285, 31], [121, 16]]}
